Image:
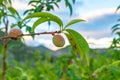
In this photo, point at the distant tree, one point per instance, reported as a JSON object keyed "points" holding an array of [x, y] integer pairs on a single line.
{"points": [[116, 30]]}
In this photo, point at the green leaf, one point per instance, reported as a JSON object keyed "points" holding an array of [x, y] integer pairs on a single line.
{"points": [[73, 22], [118, 8], [99, 69], [115, 72], [10, 2], [115, 26], [58, 0], [13, 25], [79, 44], [49, 7], [1, 49], [56, 4], [118, 19], [67, 3], [39, 8], [33, 2], [36, 23], [114, 63], [28, 11], [13, 12], [118, 33], [73, 1], [106, 66], [28, 28], [45, 15], [70, 8], [115, 29]]}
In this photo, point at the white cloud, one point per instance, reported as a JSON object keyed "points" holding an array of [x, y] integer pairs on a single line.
{"points": [[20, 5], [96, 13], [100, 43], [96, 34]]}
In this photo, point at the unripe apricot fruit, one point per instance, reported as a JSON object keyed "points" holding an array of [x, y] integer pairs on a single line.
{"points": [[15, 33], [58, 40]]}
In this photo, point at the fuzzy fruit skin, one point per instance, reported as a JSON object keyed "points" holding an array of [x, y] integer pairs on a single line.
{"points": [[15, 33], [58, 40]]}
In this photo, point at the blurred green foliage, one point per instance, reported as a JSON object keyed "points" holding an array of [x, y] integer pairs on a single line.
{"points": [[104, 64]]}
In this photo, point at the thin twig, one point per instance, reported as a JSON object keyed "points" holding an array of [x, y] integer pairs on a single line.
{"points": [[5, 37], [31, 34]]}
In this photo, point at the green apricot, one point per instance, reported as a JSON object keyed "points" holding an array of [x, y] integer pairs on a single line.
{"points": [[58, 40], [15, 33]]}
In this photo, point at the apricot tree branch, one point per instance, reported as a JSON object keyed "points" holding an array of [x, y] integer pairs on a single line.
{"points": [[5, 51], [31, 34]]}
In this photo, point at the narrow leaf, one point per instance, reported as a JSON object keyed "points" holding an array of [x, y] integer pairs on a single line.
{"points": [[115, 26], [49, 7], [115, 72], [106, 66], [36, 23], [45, 15], [66, 2], [33, 2], [73, 22], [73, 1], [70, 8], [118, 8], [10, 2], [13, 12], [58, 0], [13, 25], [118, 19], [28, 28], [39, 8], [56, 4], [115, 29], [79, 44], [30, 10], [118, 33]]}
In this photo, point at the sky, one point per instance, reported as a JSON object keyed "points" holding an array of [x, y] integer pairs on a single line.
{"points": [[100, 16]]}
